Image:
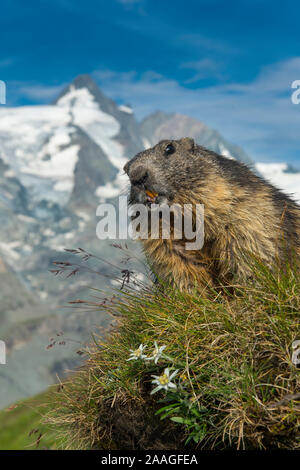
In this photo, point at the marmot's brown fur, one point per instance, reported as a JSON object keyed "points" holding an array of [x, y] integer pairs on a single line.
{"points": [[243, 214]]}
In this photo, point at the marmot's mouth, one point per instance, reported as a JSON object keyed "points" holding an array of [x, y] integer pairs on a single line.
{"points": [[147, 197], [151, 197]]}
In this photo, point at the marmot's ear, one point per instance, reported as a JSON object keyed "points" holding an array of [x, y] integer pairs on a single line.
{"points": [[188, 143]]}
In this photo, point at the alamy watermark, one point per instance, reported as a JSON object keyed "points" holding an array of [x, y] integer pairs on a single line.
{"points": [[296, 94], [296, 352], [2, 352], [2, 92], [157, 221]]}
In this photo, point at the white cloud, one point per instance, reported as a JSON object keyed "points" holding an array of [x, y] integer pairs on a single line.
{"points": [[40, 92], [33, 91], [258, 115], [204, 68], [196, 40]]}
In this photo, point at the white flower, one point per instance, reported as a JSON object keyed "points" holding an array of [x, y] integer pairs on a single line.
{"points": [[137, 353], [157, 353], [164, 381]]}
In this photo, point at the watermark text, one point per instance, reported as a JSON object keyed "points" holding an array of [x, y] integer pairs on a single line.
{"points": [[296, 352], [2, 352], [2, 92], [296, 94], [155, 221]]}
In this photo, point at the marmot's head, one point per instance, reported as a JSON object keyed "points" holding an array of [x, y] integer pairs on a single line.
{"points": [[162, 172]]}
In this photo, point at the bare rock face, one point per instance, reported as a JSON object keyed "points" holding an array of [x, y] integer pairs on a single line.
{"points": [[159, 126]]}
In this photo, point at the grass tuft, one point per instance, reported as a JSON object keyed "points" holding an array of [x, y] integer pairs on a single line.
{"points": [[230, 355]]}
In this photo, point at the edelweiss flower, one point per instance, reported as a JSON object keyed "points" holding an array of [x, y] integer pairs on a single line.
{"points": [[157, 353], [137, 353], [164, 381]]}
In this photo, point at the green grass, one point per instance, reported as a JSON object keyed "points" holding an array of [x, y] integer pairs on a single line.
{"points": [[236, 384], [22, 418]]}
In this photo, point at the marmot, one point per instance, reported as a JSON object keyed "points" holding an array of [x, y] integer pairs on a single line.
{"points": [[243, 214]]}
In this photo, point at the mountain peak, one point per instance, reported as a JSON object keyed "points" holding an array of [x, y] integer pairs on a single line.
{"points": [[84, 81]]}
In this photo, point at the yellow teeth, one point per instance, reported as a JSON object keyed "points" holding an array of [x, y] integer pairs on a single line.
{"points": [[152, 195]]}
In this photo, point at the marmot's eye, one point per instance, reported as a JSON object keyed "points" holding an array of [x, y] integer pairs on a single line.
{"points": [[169, 149]]}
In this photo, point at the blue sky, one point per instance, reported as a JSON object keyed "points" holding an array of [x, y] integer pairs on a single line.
{"points": [[229, 64]]}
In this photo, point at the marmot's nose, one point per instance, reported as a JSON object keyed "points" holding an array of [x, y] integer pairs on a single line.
{"points": [[139, 176]]}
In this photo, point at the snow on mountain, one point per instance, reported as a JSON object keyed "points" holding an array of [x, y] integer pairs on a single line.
{"points": [[224, 151], [102, 128], [278, 175], [113, 128], [126, 109], [34, 143], [85, 112]]}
